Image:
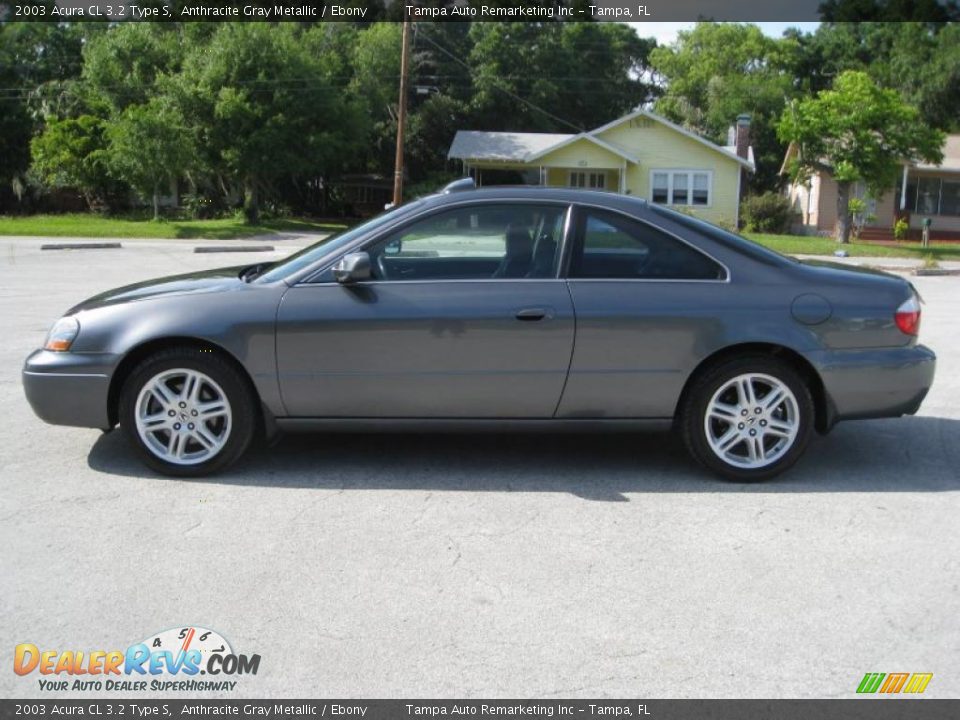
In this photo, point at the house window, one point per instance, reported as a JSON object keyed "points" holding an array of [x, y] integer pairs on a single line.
{"points": [[595, 180], [950, 198], [661, 187], [681, 195], [681, 187], [701, 189], [930, 196]]}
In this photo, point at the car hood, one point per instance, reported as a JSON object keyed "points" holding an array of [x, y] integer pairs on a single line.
{"points": [[206, 281]]}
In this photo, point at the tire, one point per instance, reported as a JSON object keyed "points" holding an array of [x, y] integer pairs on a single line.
{"points": [[725, 431], [205, 421]]}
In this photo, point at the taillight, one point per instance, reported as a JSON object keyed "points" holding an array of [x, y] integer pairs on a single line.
{"points": [[907, 316]]}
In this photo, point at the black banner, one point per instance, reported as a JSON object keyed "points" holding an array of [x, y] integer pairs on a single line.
{"points": [[470, 10], [853, 709]]}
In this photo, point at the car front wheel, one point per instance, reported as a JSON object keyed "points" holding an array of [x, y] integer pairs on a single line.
{"points": [[748, 419], [187, 412]]}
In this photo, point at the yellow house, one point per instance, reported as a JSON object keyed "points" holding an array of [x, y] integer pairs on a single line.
{"points": [[639, 154]]}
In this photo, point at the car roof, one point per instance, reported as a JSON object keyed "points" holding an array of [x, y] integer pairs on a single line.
{"points": [[535, 192]]}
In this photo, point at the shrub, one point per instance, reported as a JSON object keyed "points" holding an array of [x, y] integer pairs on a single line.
{"points": [[900, 228], [767, 213], [198, 206], [432, 183]]}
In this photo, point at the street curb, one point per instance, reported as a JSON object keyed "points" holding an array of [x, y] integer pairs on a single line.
{"points": [[81, 246], [935, 272], [232, 248]]}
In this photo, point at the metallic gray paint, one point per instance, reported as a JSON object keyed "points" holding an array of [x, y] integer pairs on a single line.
{"points": [[371, 350], [605, 350]]}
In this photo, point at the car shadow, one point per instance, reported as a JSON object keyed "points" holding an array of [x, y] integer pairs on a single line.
{"points": [[900, 455]]}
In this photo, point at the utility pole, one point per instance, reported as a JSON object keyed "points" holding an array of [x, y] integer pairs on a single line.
{"points": [[401, 115]]}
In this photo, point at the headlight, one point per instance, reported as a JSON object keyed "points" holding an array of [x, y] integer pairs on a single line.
{"points": [[62, 334]]}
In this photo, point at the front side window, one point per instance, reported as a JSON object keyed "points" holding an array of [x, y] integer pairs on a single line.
{"points": [[613, 246], [311, 254], [478, 242], [681, 187]]}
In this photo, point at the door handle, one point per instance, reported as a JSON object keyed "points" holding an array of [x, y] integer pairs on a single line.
{"points": [[532, 314]]}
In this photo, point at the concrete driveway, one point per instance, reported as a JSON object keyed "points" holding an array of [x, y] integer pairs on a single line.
{"points": [[452, 566]]}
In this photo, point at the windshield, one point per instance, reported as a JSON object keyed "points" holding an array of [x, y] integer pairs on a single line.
{"points": [[312, 253], [724, 237]]}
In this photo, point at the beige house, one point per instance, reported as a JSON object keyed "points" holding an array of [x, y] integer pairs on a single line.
{"points": [[639, 154], [922, 191]]}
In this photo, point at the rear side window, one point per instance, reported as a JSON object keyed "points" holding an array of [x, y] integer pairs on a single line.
{"points": [[613, 246]]}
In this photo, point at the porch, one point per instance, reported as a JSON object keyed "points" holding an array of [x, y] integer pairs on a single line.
{"points": [[934, 194], [486, 174]]}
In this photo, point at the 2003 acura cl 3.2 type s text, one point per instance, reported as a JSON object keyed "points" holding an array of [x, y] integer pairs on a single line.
{"points": [[506, 308]]}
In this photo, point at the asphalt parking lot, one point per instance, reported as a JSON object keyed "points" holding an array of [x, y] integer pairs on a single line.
{"points": [[485, 566]]}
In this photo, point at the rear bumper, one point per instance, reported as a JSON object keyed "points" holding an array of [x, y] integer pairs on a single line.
{"points": [[68, 388], [875, 383]]}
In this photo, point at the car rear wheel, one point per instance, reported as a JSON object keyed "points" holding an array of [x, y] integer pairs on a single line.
{"points": [[748, 419], [187, 412]]}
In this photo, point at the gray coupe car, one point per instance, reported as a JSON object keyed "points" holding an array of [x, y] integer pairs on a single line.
{"points": [[502, 308]]}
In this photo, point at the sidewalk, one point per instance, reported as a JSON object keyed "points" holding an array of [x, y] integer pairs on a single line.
{"points": [[282, 241], [894, 264]]}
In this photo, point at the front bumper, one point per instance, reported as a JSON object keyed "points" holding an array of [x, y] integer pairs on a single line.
{"points": [[875, 383], [69, 388]]}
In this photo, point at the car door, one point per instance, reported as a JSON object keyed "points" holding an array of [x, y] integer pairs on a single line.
{"points": [[464, 317], [647, 305]]}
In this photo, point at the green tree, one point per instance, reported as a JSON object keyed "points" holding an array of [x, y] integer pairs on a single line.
{"points": [[122, 66], [920, 60], [555, 77], [429, 133], [375, 61], [607, 69], [72, 153], [265, 108], [149, 147], [715, 72], [857, 131], [38, 61]]}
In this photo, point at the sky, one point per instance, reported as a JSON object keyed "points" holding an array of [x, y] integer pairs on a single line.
{"points": [[666, 32]]}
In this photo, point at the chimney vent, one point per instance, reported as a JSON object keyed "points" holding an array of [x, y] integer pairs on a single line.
{"points": [[743, 136]]}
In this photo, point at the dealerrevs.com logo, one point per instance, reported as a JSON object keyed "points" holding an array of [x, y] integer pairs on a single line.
{"points": [[172, 660]]}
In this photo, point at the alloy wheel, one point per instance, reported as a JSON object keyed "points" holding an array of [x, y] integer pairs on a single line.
{"points": [[183, 416], [752, 421]]}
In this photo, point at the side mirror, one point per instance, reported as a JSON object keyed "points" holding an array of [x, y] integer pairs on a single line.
{"points": [[352, 267]]}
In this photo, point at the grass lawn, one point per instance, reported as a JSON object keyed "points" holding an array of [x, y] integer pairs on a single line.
{"points": [[801, 245], [96, 226]]}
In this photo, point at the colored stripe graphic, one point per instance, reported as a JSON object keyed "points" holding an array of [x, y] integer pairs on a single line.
{"points": [[918, 682], [870, 682], [894, 682]]}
